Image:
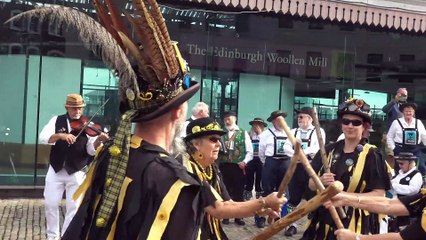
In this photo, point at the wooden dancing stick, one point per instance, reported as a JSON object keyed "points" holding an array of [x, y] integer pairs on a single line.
{"points": [[291, 169], [325, 163], [301, 211], [312, 174]]}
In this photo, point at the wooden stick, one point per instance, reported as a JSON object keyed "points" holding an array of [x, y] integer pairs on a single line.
{"points": [[290, 170], [312, 174], [325, 163], [301, 211]]}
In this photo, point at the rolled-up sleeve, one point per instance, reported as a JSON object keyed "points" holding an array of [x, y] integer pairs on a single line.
{"points": [[47, 131]]}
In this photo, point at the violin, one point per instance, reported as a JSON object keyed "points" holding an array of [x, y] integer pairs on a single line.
{"points": [[83, 124]]}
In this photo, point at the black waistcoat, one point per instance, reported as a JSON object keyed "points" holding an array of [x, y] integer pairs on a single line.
{"points": [[71, 157]]}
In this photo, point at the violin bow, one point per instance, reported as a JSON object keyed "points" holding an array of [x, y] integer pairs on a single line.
{"points": [[91, 118]]}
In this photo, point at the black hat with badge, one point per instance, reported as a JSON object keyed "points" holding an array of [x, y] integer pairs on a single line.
{"points": [[202, 127], [407, 104], [259, 121], [276, 114], [407, 156], [355, 107], [305, 110]]}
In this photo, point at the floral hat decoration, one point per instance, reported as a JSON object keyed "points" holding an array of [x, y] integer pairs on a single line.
{"points": [[203, 127], [355, 107]]}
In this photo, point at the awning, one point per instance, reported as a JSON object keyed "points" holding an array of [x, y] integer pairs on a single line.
{"points": [[398, 19]]}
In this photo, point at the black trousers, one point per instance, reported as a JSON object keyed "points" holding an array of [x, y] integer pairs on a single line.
{"points": [[298, 185], [273, 173], [254, 173], [234, 180]]}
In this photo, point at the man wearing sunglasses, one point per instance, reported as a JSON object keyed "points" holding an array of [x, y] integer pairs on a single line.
{"points": [[305, 132], [358, 166]]}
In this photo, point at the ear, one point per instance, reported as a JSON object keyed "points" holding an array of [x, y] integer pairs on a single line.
{"points": [[179, 112]]}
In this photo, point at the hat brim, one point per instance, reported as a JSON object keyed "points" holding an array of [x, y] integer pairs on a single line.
{"points": [[175, 102], [264, 124], [364, 116], [302, 112], [75, 106], [203, 133], [273, 117]]}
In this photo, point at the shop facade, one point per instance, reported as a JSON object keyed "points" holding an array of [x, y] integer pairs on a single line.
{"points": [[252, 57]]}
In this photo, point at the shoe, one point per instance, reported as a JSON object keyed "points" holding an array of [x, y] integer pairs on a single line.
{"points": [[239, 222], [260, 221], [247, 195], [225, 221], [290, 231]]}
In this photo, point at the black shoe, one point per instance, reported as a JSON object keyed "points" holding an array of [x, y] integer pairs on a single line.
{"points": [[225, 221], [260, 221], [290, 231], [239, 222]]}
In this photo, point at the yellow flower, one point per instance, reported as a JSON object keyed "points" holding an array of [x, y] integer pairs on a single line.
{"points": [[100, 222], [196, 129], [114, 150]]}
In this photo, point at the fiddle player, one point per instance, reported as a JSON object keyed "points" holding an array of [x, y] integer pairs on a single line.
{"points": [[68, 156]]}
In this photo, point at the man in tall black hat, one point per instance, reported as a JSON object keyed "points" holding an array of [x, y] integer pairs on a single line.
{"points": [[233, 163], [136, 189], [271, 153], [306, 133]]}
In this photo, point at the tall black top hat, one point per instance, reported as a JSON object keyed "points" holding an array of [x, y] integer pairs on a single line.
{"points": [[407, 104], [276, 114], [202, 127], [258, 120], [355, 107], [305, 110], [406, 156]]}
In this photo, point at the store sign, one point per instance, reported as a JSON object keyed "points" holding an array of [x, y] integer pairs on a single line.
{"points": [[257, 56]]}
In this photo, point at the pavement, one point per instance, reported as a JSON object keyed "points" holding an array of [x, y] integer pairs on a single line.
{"points": [[24, 219]]}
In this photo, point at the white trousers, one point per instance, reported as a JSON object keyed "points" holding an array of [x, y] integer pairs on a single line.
{"points": [[56, 184]]}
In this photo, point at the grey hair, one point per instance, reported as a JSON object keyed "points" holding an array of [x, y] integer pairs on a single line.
{"points": [[198, 107]]}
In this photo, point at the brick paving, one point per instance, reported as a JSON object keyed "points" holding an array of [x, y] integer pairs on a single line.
{"points": [[24, 219]]}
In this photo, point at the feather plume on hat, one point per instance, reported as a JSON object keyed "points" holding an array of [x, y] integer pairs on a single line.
{"points": [[152, 75]]}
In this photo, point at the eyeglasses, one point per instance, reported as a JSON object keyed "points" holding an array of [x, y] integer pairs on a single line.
{"points": [[354, 122], [214, 139]]}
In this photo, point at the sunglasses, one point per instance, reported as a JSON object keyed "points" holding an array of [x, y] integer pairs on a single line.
{"points": [[355, 122], [214, 139]]}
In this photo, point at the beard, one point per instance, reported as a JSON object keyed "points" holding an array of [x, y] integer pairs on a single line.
{"points": [[178, 145], [230, 127]]}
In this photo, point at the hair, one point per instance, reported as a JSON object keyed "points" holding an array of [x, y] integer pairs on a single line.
{"points": [[198, 107], [190, 148], [401, 89]]}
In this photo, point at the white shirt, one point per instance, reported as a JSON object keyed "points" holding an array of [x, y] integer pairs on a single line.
{"points": [[185, 124], [267, 143], [314, 146], [49, 130], [415, 183], [395, 132], [247, 142]]}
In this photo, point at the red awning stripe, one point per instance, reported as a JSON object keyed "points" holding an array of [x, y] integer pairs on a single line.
{"points": [[334, 11]]}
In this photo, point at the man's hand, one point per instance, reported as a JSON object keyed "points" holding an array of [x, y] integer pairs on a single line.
{"points": [[274, 202], [345, 234], [242, 165], [69, 138], [102, 137], [327, 179]]}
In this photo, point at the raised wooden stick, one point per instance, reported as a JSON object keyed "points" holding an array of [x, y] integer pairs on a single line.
{"points": [[301, 211], [312, 174], [291, 169], [325, 163]]}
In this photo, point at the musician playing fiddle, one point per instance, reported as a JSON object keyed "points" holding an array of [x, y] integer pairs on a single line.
{"points": [[71, 147]]}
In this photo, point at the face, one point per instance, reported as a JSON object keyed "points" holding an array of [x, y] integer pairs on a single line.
{"points": [[408, 112], [204, 113], [74, 112], [229, 121], [352, 126], [304, 120], [403, 165], [257, 128], [209, 146], [402, 94]]}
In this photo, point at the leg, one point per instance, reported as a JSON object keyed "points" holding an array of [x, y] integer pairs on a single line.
{"points": [[73, 182], [258, 175], [249, 177], [53, 191]]}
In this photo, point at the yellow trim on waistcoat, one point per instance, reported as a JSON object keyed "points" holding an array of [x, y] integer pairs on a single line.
{"points": [[163, 214]]}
